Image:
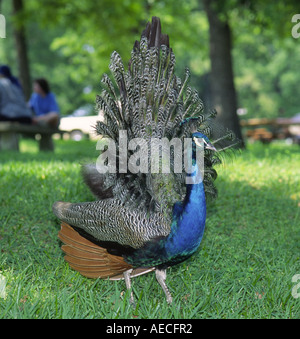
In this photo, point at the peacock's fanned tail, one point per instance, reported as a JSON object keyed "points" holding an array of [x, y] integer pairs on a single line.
{"points": [[148, 100]]}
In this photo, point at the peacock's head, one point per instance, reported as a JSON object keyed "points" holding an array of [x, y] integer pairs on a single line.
{"points": [[197, 137]]}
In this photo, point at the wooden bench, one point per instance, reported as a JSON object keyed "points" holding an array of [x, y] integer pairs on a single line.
{"points": [[266, 130], [10, 135], [261, 134]]}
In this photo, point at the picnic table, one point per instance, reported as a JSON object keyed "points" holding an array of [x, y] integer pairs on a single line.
{"points": [[10, 135], [266, 130]]}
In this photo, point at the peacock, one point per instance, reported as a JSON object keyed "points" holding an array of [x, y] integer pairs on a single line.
{"points": [[144, 218]]}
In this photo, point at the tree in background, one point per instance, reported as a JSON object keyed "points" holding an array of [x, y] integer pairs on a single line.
{"points": [[266, 56], [267, 24], [224, 97], [253, 63], [21, 47]]}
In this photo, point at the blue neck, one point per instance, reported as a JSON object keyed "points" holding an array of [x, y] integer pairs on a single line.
{"points": [[188, 222]]}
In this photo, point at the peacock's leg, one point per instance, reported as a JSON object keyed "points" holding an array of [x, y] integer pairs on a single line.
{"points": [[128, 285], [161, 276]]}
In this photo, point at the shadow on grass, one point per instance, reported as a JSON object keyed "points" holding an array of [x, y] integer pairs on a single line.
{"points": [[27, 219], [65, 150], [275, 149]]}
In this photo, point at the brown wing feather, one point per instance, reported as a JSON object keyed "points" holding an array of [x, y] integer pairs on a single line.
{"points": [[87, 258], [91, 260]]}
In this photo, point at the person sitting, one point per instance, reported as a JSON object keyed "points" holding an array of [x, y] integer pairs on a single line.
{"points": [[44, 105], [12, 103]]}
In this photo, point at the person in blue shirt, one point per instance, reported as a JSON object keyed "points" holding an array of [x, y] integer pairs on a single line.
{"points": [[44, 105]]}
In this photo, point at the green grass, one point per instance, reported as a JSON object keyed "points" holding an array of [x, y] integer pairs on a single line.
{"points": [[244, 268]]}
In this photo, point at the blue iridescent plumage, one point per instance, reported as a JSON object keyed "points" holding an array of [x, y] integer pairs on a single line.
{"points": [[187, 227]]}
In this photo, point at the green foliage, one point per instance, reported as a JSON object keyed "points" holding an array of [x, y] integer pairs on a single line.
{"points": [[244, 268], [266, 75], [70, 43]]}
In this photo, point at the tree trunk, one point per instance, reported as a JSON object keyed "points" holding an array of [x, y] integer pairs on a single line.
{"points": [[222, 79], [21, 46]]}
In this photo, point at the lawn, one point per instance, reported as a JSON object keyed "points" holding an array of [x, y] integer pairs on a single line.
{"points": [[244, 268]]}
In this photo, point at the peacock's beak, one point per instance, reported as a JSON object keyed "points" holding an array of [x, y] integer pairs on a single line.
{"points": [[211, 147], [206, 144]]}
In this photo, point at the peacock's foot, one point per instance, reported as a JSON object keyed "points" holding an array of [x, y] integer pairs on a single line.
{"points": [[128, 286], [161, 275]]}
